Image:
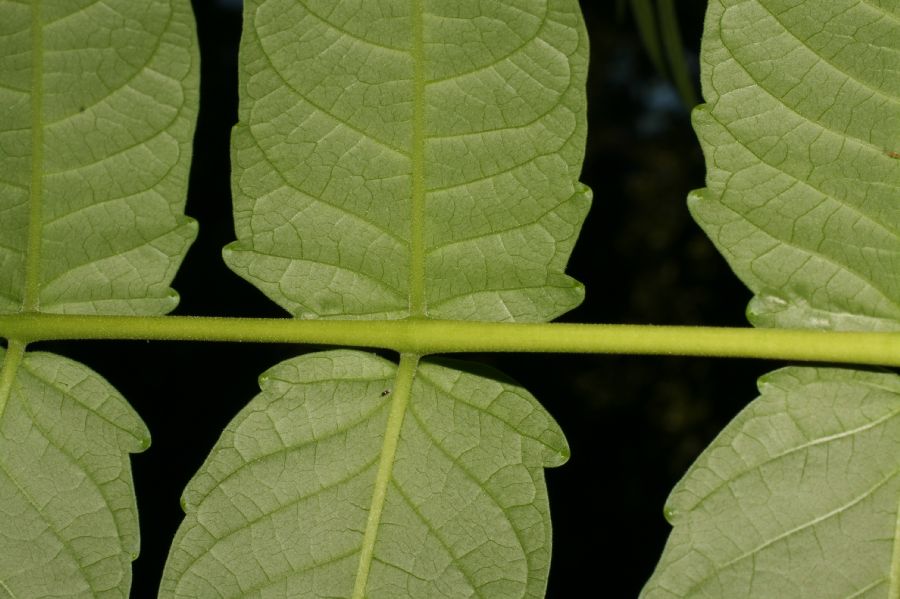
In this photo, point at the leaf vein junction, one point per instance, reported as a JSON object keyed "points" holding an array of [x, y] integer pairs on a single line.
{"points": [[499, 60], [440, 539], [319, 108], [831, 65], [350, 34], [836, 511], [64, 542]]}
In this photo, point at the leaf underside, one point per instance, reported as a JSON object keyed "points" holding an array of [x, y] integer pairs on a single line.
{"points": [[394, 159], [98, 105], [798, 496], [280, 506], [68, 519], [352, 134], [802, 115], [99, 102]]}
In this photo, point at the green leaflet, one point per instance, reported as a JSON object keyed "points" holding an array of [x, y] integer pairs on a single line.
{"points": [[68, 520], [280, 506], [802, 197], [406, 157], [98, 104], [99, 101], [797, 497]]}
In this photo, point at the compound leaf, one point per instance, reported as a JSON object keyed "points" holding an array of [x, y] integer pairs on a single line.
{"points": [[280, 507], [394, 159]]}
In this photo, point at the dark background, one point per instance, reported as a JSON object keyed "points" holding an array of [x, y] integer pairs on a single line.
{"points": [[634, 423]]}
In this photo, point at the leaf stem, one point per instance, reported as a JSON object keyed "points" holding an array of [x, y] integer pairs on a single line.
{"points": [[14, 355], [423, 336], [406, 372]]}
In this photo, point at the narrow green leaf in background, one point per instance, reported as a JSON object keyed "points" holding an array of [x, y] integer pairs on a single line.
{"points": [[280, 506], [799, 495], [670, 35], [661, 36], [645, 19], [98, 105]]}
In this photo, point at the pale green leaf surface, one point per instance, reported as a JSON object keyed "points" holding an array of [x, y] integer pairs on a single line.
{"points": [[68, 520], [803, 192], [396, 158], [99, 100], [280, 506], [797, 497]]}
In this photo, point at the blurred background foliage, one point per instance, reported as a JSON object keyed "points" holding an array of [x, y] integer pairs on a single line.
{"points": [[660, 35], [634, 423]]}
